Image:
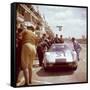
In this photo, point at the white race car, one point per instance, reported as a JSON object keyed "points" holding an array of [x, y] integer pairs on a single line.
{"points": [[60, 56]]}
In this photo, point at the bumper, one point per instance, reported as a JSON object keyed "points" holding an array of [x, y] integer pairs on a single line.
{"points": [[61, 66]]}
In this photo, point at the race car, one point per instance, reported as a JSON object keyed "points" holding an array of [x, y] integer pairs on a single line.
{"points": [[60, 56]]}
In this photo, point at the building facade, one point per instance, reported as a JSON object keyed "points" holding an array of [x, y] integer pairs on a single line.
{"points": [[26, 13]]}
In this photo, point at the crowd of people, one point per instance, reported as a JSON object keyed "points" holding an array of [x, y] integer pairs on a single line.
{"points": [[28, 45]]}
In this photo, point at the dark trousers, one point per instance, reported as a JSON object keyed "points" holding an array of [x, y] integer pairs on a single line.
{"points": [[18, 62], [40, 56]]}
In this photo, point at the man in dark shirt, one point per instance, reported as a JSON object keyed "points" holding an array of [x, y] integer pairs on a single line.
{"points": [[18, 51], [61, 40], [56, 39], [41, 48]]}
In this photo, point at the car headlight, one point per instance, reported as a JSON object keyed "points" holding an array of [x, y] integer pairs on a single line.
{"points": [[72, 64]]}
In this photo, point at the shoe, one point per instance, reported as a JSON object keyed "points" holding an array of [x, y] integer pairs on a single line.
{"points": [[40, 64], [26, 84], [30, 82]]}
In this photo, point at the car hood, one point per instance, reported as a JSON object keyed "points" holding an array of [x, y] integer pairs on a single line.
{"points": [[59, 56]]}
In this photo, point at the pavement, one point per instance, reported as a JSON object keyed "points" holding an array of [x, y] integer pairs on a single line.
{"points": [[35, 63]]}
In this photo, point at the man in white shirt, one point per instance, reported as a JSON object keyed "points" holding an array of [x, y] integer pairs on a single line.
{"points": [[77, 47]]}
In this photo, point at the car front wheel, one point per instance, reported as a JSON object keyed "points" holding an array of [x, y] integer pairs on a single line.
{"points": [[74, 67]]}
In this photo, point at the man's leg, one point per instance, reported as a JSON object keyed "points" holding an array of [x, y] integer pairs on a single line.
{"points": [[40, 58], [30, 75], [17, 74], [78, 55]]}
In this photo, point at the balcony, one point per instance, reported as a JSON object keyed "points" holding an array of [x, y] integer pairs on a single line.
{"points": [[20, 17]]}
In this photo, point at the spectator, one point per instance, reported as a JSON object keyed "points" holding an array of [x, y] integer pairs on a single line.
{"points": [[50, 41], [28, 53], [44, 37], [41, 48], [61, 40], [77, 47], [18, 50], [56, 39]]}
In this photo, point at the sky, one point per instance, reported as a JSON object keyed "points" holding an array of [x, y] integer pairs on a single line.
{"points": [[72, 19]]}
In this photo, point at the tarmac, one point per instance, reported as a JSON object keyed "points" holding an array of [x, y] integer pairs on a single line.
{"points": [[35, 62]]}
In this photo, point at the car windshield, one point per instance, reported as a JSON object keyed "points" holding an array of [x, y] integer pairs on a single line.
{"points": [[58, 48]]}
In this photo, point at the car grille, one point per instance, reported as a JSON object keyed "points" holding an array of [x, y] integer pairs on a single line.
{"points": [[61, 64], [60, 61]]}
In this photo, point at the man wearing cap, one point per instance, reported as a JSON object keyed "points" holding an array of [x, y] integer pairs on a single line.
{"points": [[28, 52]]}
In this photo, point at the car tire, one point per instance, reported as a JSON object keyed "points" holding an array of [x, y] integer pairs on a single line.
{"points": [[74, 68], [45, 69]]}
